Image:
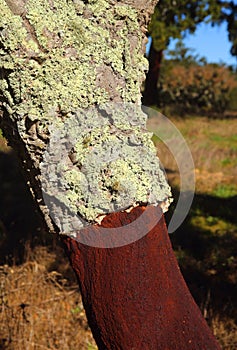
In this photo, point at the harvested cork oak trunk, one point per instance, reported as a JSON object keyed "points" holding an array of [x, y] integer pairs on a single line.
{"points": [[135, 296]]}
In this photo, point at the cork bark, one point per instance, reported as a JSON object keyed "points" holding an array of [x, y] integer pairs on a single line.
{"points": [[59, 57]]}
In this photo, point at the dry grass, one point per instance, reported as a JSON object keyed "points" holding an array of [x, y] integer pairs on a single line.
{"points": [[225, 331], [41, 309], [213, 144], [3, 144]]}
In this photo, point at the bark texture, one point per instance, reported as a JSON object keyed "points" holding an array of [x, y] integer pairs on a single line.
{"points": [[135, 296], [58, 57]]}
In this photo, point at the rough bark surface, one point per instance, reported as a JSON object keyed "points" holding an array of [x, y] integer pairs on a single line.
{"points": [[59, 56], [135, 296]]}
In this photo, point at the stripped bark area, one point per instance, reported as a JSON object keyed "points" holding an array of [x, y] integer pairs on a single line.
{"points": [[135, 296]]}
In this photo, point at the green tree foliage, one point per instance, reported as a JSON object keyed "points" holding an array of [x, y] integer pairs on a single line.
{"points": [[171, 19], [231, 18], [174, 20]]}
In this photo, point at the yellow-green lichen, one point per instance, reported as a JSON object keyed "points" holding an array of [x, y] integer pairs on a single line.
{"points": [[55, 64], [12, 32], [99, 159], [106, 166]]}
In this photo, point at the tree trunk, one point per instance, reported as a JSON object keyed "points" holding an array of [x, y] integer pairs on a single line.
{"points": [[60, 58], [66, 66], [150, 94], [135, 296]]}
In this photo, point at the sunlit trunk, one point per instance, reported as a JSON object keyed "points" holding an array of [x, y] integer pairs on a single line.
{"points": [[135, 296]]}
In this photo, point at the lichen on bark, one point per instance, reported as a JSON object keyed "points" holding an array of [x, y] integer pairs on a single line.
{"points": [[100, 161], [58, 58], [55, 52]]}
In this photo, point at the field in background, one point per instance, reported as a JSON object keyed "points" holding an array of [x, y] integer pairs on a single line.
{"points": [[206, 242], [40, 307], [213, 144]]}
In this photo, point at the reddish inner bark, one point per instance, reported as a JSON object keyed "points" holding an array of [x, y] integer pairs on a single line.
{"points": [[135, 296]]}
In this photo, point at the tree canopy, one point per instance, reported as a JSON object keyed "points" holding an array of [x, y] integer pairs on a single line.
{"points": [[173, 21], [231, 17]]}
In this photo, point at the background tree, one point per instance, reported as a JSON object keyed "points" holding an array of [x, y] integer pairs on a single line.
{"points": [[199, 87], [229, 14], [173, 22]]}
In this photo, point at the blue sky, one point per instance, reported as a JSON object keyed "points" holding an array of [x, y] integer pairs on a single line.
{"points": [[210, 42]]}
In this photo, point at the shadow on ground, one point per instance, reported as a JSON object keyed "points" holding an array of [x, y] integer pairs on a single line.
{"points": [[20, 222], [206, 247]]}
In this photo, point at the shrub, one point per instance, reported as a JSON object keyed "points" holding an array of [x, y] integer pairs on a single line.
{"points": [[193, 88]]}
